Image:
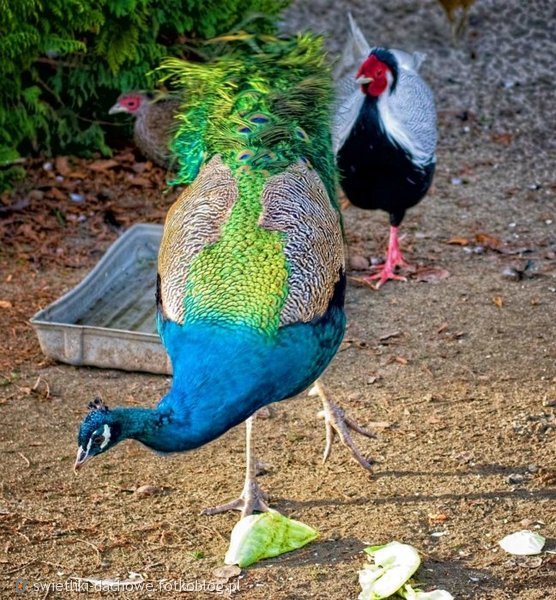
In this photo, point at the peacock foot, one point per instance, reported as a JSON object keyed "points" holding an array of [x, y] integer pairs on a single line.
{"points": [[338, 423], [252, 499]]}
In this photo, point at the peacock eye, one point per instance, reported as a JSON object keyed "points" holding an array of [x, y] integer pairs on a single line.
{"points": [[98, 439]]}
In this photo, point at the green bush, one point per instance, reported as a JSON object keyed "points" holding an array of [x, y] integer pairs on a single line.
{"points": [[63, 63]]}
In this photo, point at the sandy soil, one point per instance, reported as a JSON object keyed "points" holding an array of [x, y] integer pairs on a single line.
{"points": [[456, 376]]}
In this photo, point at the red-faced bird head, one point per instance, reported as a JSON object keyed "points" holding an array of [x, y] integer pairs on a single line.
{"points": [[378, 73], [130, 102]]}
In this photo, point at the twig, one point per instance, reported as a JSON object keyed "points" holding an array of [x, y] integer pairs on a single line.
{"points": [[4, 210], [25, 459], [58, 566], [15, 161], [56, 63], [20, 567], [212, 530], [23, 536], [92, 546], [111, 123], [36, 386]]}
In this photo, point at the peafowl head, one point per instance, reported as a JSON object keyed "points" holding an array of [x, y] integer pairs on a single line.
{"points": [[378, 73], [99, 432], [131, 102]]}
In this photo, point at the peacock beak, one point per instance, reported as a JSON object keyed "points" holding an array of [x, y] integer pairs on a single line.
{"points": [[363, 80], [82, 458]]}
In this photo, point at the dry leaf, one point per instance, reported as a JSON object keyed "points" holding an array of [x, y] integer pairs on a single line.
{"points": [[389, 336], [78, 174], [56, 194], [62, 166], [400, 360], [103, 165], [442, 328], [499, 301], [458, 241], [502, 138], [437, 518], [139, 181], [5, 304], [488, 241]]}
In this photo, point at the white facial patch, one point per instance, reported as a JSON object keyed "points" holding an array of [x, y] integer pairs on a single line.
{"points": [[107, 435], [83, 454]]}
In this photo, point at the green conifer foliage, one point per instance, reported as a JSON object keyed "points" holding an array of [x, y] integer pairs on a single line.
{"points": [[63, 63]]}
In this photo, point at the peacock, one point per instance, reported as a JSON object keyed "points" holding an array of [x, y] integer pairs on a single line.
{"points": [[251, 273]]}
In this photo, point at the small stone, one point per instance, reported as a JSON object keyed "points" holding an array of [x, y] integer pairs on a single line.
{"points": [[264, 413], [227, 572], [36, 195], [358, 263], [148, 490], [515, 478], [456, 181], [437, 534], [527, 523], [77, 197], [261, 468], [511, 273], [534, 563]]}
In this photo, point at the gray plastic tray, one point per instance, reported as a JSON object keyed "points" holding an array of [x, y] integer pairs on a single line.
{"points": [[108, 320]]}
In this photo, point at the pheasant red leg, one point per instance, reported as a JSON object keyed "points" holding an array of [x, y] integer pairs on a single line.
{"points": [[394, 258]]}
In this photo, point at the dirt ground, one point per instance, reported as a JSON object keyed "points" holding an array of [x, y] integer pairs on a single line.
{"points": [[454, 370]]}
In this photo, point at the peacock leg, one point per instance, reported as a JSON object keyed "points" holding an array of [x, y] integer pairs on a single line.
{"points": [[338, 423], [252, 497]]}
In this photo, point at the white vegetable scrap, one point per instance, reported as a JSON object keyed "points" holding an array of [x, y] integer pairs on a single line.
{"points": [[410, 594], [393, 565], [264, 536], [523, 543]]}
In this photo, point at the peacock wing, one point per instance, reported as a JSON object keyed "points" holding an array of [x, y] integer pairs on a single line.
{"points": [[296, 203], [194, 221]]}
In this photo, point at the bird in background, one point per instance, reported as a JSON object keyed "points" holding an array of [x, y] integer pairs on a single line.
{"points": [[251, 269], [154, 123], [384, 135]]}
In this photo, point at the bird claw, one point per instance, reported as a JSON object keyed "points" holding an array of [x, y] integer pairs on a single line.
{"points": [[383, 276], [336, 422], [252, 499]]}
